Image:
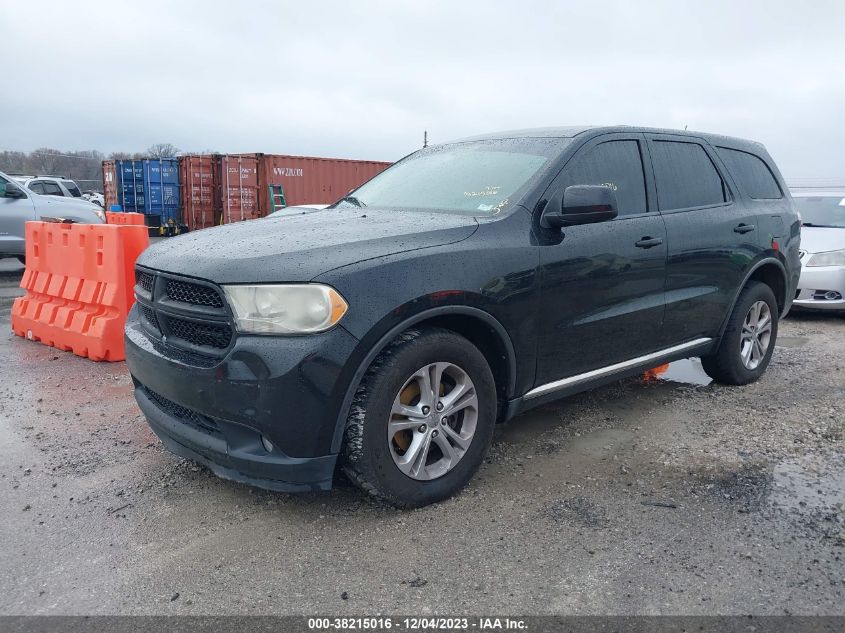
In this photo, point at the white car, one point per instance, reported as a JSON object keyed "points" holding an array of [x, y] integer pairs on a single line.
{"points": [[96, 197], [822, 284], [297, 209]]}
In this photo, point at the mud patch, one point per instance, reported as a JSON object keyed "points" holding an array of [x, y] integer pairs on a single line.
{"points": [[745, 484], [577, 512]]}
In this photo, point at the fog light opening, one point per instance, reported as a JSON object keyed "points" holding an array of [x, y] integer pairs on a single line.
{"points": [[832, 295], [267, 444]]}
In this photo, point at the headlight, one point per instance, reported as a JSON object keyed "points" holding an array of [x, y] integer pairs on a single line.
{"points": [[100, 215], [830, 258], [285, 309]]}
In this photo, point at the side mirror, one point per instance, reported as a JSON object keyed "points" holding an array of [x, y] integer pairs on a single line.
{"points": [[13, 191], [582, 204]]}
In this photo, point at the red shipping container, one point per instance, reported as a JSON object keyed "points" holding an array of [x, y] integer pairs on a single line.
{"points": [[109, 184], [308, 180], [237, 187], [197, 180]]}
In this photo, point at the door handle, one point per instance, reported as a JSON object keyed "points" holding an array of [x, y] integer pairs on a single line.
{"points": [[743, 228], [648, 242]]}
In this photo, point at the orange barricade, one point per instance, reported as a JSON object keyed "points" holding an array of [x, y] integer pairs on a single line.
{"points": [[119, 217], [79, 283]]}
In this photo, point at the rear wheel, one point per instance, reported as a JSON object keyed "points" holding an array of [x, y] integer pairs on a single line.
{"points": [[749, 339], [422, 419]]}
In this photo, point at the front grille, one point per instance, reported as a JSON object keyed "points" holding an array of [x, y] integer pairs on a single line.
{"points": [[202, 334], [150, 315], [194, 294], [145, 280], [183, 315], [193, 419]]}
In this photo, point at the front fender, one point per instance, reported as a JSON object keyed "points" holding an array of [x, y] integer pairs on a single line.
{"points": [[389, 328]]}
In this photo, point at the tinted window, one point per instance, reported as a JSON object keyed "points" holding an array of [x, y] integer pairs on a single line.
{"points": [[686, 177], [37, 187], [72, 188], [618, 165], [753, 174], [52, 189]]}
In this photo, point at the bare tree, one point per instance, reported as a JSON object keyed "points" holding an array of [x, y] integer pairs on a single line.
{"points": [[162, 150]]}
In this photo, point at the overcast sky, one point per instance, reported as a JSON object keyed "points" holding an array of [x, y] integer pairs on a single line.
{"points": [[364, 79]]}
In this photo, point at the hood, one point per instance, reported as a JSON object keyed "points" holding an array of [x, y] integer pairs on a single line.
{"points": [[301, 247], [817, 239]]}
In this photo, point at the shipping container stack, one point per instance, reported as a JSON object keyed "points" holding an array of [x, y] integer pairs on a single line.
{"points": [[200, 191]]}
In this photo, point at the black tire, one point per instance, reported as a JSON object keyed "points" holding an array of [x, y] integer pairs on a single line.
{"points": [[725, 365], [367, 456]]}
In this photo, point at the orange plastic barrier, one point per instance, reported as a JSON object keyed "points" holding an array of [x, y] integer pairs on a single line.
{"points": [[79, 283], [120, 218]]}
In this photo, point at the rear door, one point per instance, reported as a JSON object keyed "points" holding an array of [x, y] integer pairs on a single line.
{"points": [[603, 283], [712, 235]]}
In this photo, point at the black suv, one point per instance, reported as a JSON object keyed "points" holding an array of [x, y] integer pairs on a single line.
{"points": [[462, 286]]}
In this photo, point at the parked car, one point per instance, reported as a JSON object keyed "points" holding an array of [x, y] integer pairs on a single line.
{"points": [[50, 185], [96, 197], [822, 284], [19, 205], [462, 286], [298, 209]]}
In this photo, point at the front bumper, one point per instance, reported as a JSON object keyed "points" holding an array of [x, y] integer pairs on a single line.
{"points": [[816, 280], [287, 390]]}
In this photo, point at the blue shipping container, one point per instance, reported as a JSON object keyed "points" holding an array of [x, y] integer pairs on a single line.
{"points": [[151, 187]]}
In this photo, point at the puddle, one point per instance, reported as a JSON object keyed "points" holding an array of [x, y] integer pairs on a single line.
{"points": [[803, 485], [791, 341], [686, 372]]}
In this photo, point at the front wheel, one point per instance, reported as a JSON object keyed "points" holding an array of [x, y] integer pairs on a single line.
{"points": [[422, 419], [749, 339]]}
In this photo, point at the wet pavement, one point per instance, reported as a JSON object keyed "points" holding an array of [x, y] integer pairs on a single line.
{"points": [[668, 495]]}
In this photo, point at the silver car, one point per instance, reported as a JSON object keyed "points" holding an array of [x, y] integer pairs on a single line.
{"points": [[822, 284], [18, 205]]}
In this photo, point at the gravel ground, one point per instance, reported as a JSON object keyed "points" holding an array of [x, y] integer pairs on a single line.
{"points": [[663, 497]]}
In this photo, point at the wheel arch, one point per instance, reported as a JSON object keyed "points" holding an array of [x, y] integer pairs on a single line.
{"points": [[481, 328], [769, 271]]}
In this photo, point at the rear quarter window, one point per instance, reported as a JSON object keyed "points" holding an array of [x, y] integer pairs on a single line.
{"points": [[752, 173]]}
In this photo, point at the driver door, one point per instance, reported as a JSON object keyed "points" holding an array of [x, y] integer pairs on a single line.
{"points": [[14, 214], [603, 284]]}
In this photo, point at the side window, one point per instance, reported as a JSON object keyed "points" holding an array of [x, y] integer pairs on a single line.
{"points": [[686, 177], [52, 189], [37, 187], [617, 164], [753, 174]]}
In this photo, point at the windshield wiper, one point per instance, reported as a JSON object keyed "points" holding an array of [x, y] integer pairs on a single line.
{"points": [[822, 226], [352, 200]]}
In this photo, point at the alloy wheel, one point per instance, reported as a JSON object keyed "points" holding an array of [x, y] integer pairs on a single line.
{"points": [[432, 421], [756, 335]]}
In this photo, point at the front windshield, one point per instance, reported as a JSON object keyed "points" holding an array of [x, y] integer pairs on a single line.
{"points": [[822, 210], [480, 177]]}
